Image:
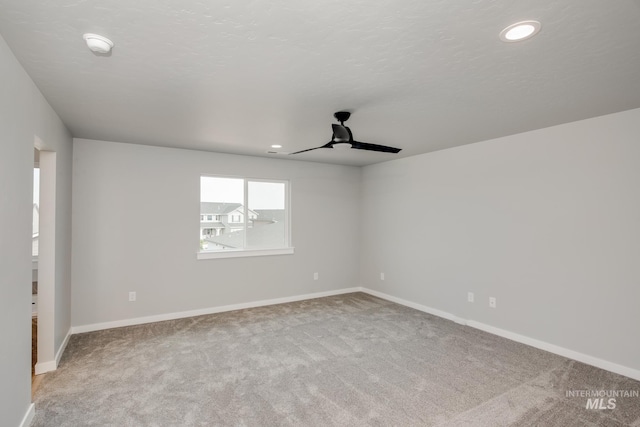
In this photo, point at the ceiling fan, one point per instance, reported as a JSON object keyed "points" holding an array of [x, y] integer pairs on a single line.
{"points": [[342, 138]]}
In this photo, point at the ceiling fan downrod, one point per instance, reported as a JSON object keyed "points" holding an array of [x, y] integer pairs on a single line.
{"points": [[342, 116]]}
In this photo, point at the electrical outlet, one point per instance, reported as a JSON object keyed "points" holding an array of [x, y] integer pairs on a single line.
{"points": [[381, 276], [492, 302], [470, 296], [132, 296], [315, 276]]}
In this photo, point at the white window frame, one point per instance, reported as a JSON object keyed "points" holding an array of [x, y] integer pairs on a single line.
{"points": [[248, 252]]}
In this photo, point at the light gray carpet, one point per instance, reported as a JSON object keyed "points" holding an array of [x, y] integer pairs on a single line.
{"points": [[347, 360]]}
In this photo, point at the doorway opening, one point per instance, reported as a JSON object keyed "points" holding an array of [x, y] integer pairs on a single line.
{"points": [[35, 240], [34, 261], [46, 265]]}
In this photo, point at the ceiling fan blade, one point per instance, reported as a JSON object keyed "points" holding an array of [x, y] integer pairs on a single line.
{"points": [[327, 145], [374, 147], [302, 151]]}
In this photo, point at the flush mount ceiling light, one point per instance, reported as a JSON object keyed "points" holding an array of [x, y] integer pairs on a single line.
{"points": [[276, 146], [520, 31], [98, 43]]}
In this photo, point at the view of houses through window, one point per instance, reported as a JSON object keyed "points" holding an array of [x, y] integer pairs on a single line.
{"points": [[238, 213]]}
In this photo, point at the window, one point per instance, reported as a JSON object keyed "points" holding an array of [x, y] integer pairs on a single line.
{"points": [[252, 215]]}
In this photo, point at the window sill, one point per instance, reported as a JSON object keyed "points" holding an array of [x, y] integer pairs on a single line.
{"points": [[238, 253]]}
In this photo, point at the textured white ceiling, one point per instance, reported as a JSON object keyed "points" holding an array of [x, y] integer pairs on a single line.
{"points": [[237, 76]]}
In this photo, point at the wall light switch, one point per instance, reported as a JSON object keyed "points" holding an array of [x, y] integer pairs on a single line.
{"points": [[492, 302], [315, 276], [381, 276], [470, 296], [132, 296]]}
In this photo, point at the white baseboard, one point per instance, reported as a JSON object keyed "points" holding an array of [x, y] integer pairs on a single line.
{"points": [[28, 417], [63, 347], [44, 367], [561, 351], [52, 365], [420, 307], [542, 345], [552, 348], [212, 310]]}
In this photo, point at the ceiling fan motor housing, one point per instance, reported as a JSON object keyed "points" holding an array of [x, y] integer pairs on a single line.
{"points": [[341, 134]]}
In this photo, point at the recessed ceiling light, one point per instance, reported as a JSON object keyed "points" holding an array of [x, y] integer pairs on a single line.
{"points": [[520, 31], [276, 146], [98, 43]]}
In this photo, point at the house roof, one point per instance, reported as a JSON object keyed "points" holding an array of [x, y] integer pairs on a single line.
{"points": [[261, 235], [214, 208], [270, 214]]}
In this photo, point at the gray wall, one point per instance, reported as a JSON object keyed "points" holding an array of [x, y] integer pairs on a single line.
{"points": [[26, 117], [548, 222], [136, 226]]}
